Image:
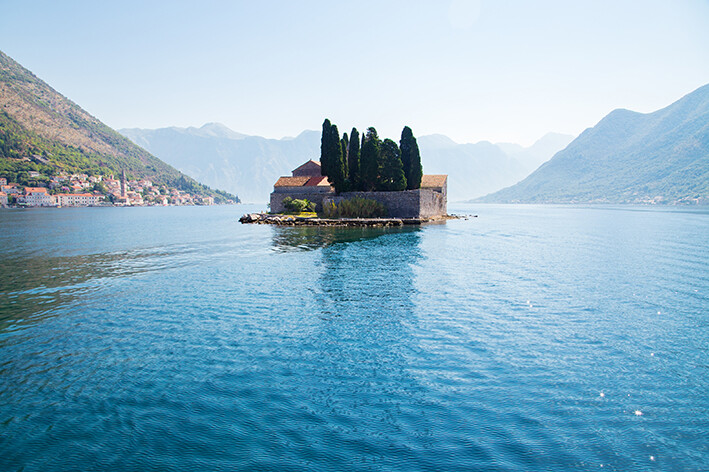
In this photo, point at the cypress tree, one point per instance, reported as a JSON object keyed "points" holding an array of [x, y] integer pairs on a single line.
{"points": [[369, 160], [411, 159], [336, 171], [344, 143], [325, 148], [391, 175], [353, 160]]}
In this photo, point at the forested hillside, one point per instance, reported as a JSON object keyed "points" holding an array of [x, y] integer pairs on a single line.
{"points": [[44, 131]]}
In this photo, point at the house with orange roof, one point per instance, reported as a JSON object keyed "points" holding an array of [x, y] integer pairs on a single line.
{"points": [[3, 199], [304, 183], [36, 196], [10, 189]]}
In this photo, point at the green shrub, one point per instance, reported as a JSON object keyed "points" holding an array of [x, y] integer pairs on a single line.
{"points": [[298, 206], [355, 208]]}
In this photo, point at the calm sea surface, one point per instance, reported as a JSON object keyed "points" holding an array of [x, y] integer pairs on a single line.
{"points": [[531, 338]]}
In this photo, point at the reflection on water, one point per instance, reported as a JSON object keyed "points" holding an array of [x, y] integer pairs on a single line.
{"points": [[35, 286], [360, 388], [308, 238]]}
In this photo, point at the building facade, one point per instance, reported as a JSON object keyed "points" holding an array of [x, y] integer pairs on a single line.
{"points": [[36, 196], [77, 199]]}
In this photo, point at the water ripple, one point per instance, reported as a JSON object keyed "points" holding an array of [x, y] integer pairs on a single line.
{"points": [[530, 338]]}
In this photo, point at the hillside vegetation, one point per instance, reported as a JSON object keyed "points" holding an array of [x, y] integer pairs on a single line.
{"points": [[38, 123], [628, 157]]}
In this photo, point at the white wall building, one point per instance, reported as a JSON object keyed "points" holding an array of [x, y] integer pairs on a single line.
{"points": [[77, 199], [36, 196]]}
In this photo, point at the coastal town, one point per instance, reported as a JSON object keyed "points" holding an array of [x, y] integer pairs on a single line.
{"points": [[72, 190]]}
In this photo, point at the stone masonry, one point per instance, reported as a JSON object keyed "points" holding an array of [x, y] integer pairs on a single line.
{"points": [[420, 203], [313, 194]]}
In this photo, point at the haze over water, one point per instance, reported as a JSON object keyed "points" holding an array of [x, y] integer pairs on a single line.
{"points": [[531, 338]]}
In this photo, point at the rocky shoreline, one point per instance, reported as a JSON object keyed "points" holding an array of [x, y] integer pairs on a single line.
{"points": [[290, 220]]}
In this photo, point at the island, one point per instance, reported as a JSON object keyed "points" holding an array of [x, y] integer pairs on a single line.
{"points": [[358, 183]]}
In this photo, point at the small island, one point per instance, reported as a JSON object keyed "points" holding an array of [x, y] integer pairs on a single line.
{"points": [[358, 183]]}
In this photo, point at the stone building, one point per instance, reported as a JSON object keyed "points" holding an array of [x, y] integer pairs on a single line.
{"points": [[309, 169], [429, 201], [305, 183]]}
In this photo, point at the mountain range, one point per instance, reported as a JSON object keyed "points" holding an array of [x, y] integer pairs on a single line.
{"points": [[249, 165], [628, 157], [40, 129]]}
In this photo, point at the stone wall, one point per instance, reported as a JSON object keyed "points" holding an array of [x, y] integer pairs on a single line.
{"points": [[433, 203], [316, 195], [421, 203]]}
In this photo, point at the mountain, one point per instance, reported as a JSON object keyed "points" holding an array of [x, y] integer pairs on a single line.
{"points": [[39, 124], [628, 157], [478, 169], [540, 152], [225, 159], [250, 165]]}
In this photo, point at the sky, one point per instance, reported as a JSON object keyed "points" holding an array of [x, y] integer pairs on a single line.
{"points": [[502, 71]]}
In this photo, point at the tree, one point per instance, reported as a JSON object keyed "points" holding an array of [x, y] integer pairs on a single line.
{"points": [[369, 160], [332, 162], [391, 174], [324, 147], [353, 160], [411, 159], [344, 144], [336, 172]]}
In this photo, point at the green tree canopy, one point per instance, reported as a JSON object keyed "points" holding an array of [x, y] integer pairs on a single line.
{"points": [[391, 174], [336, 173], [325, 150], [411, 159], [332, 162], [369, 160], [353, 160], [344, 144]]}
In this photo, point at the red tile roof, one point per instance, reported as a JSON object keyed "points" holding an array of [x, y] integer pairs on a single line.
{"points": [[35, 190], [291, 181], [319, 180], [304, 181], [433, 181]]}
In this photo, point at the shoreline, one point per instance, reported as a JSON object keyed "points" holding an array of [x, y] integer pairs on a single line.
{"points": [[292, 220]]}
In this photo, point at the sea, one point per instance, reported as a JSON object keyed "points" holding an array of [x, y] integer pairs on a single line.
{"points": [[515, 338]]}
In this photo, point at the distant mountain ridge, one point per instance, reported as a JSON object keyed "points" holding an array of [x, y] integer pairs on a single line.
{"points": [[36, 120], [628, 157], [225, 159], [480, 168], [250, 165]]}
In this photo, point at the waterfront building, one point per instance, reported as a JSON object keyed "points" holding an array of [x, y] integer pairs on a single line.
{"points": [[36, 196], [77, 199]]}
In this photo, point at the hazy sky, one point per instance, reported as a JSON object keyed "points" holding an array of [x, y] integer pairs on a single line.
{"points": [[473, 70]]}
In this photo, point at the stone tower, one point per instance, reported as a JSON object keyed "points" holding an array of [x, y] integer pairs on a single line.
{"points": [[123, 184]]}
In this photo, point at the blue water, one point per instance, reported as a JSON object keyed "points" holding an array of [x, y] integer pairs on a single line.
{"points": [[531, 338]]}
